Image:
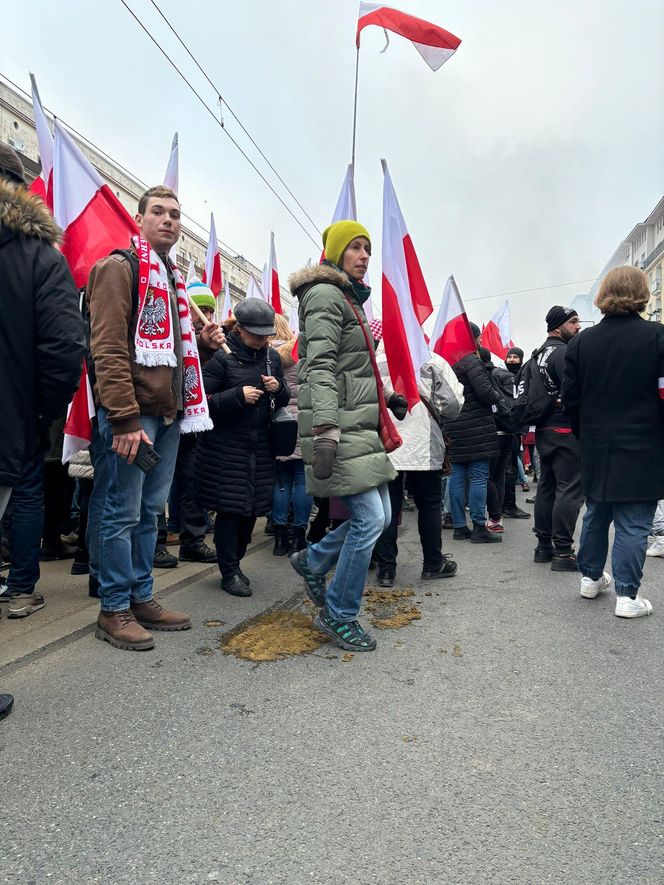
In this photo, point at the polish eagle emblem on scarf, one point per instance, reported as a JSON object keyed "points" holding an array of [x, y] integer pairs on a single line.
{"points": [[190, 384], [153, 316]]}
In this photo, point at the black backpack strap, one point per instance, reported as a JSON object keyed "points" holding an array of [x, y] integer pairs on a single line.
{"points": [[132, 258]]}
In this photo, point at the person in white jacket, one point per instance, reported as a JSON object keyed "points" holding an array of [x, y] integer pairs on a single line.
{"points": [[421, 458]]}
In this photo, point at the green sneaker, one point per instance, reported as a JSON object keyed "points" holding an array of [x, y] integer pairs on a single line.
{"points": [[348, 635], [313, 584]]}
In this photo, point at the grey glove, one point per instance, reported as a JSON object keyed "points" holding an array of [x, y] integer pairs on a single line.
{"points": [[398, 405], [326, 440]]}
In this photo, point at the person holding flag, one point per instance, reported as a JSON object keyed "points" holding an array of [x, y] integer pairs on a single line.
{"points": [[340, 401]]}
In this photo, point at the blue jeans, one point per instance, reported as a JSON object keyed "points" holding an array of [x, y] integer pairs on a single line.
{"points": [[632, 523], [349, 548], [97, 498], [477, 473], [290, 475], [27, 507], [521, 471], [133, 501]]}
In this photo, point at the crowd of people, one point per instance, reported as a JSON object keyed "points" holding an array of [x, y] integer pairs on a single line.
{"points": [[195, 413]]}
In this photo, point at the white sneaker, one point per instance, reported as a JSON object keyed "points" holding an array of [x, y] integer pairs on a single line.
{"points": [[657, 547], [632, 608], [590, 588]]}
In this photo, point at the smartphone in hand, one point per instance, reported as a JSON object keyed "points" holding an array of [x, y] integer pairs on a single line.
{"points": [[146, 457]]}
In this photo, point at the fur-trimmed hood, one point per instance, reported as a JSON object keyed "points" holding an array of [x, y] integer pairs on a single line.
{"points": [[318, 273], [26, 214]]}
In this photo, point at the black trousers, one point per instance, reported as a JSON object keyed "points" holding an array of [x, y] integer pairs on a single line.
{"points": [[512, 474], [58, 494], [232, 534], [559, 497], [424, 486], [495, 491], [193, 517]]}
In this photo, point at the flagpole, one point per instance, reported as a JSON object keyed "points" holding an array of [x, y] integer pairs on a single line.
{"points": [[357, 73]]}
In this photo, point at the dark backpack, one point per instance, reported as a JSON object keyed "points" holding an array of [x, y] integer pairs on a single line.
{"points": [[132, 258], [533, 401]]}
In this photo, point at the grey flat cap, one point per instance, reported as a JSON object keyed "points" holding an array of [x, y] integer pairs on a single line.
{"points": [[256, 316]]}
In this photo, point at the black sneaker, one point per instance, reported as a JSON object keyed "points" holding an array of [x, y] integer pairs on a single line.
{"points": [[564, 562], [385, 577], [543, 553], [348, 635], [6, 704], [93, 587], [163, 559], [313, 584], [234, 585], [447, 521], [462, 534], [197, 552], [447, 570], [482, 535], [516, 513]]}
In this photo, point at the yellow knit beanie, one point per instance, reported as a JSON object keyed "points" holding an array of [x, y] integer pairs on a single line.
{"points": [[337, 236]]}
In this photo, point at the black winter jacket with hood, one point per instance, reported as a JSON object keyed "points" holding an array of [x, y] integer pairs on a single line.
{"points": [[473, 434], [235, 469], [41, 331]]}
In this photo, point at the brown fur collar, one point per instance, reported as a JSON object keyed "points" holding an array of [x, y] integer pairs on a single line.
{"points": [[26, 214], [318, 273]]}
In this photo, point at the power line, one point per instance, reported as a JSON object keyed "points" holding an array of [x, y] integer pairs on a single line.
{"points": [[218, 122], [534, 289], [232, 112]]}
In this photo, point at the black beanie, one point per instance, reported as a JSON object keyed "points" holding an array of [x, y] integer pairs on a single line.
{"points": [[558, 316], [517, 351], [475, 330]]}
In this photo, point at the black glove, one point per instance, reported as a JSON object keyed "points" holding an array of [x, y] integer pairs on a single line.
{"points": [[398, 405], [326, 440]]}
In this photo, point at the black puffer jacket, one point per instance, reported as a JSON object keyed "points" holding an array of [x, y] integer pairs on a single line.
{"points": [[234, 465], [473, 434], [41, 330]]}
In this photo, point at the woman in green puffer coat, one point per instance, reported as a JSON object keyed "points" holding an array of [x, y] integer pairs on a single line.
{"points": [[338, 422]]}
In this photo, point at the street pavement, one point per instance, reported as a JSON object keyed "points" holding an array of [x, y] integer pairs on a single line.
{"points": [[513, 734]]}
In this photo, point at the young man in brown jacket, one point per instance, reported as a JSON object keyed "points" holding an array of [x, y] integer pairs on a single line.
{"points": [[140, 398]]}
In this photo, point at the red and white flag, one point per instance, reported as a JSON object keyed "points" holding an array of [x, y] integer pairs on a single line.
{"points": [[435, 44], [227, 308], [212, 272], [94, 221], [172, 176], [253, 288], [452, 337], [78, 427], [191, 273], [271, 289], [43, 184], [405, 298], [497, 334]]}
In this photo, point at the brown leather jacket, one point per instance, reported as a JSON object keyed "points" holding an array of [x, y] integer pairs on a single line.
{"points": [[125, 389]]}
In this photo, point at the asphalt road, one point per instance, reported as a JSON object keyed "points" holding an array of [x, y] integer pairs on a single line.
{"points": [[513, 734]]}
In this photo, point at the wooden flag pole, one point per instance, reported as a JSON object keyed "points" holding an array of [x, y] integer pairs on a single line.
{"points": [[201, 316]]}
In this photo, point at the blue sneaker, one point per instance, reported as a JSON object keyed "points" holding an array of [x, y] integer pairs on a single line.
{"points": [[349, 635], [313, 584]]}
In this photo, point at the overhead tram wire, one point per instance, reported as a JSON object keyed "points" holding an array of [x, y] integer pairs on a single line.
{"points": [[102, 153], [231, 111], [534, 289], [223, 129]]}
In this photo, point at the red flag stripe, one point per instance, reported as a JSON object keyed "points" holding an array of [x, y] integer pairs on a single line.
{"points": [[409, 26], [397, 349]]}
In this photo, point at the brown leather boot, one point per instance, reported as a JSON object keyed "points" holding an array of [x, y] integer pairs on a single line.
{"points": [[156, 617], [122, 630]]}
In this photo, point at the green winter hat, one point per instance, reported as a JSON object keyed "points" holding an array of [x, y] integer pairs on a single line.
{"points": [[201, 295]]}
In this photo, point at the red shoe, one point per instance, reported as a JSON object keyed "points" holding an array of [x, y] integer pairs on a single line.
{"points": [[495, 526]]}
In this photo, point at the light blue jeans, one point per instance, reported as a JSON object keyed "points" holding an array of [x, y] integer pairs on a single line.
{"points": [[289, 489], [478, 477], [349, 547], [132, 502]]}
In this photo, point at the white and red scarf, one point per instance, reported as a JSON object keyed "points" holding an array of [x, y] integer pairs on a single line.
{"points": [[154, 341]]}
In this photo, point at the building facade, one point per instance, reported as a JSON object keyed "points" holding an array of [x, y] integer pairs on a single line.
{"points": [[17, 128]]}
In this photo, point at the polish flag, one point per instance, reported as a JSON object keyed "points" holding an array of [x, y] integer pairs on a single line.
{"points": [[212, 272], [227, 309], [81, 411], [435, 44], [172, 176], [404, 307], [253, 288], [94, 221], [294, 326], [191, 273], [497, 334], [452, 337], [346, 208], [43, 184], [271, 289]]}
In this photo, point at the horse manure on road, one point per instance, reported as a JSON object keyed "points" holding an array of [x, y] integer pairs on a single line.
{"points": [[273, 637], [387, 609]]}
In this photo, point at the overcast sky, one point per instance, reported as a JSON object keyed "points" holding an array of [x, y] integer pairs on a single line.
{"points": [[521, 163]]}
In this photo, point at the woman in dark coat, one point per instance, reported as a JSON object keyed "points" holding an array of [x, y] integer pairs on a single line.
{"points": [[234, 465], [473, 442], [613, 394]]}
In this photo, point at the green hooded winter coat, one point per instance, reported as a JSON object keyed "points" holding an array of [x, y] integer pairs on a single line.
{"points": [[336, 383]]}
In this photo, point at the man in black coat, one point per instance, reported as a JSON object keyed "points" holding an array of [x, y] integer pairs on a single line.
{"points": [[559, 496], [41, 333], [613, 392]]}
